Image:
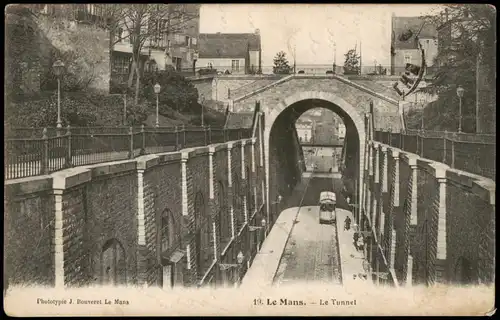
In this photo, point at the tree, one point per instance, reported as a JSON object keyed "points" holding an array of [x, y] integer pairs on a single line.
{"points": [[473, 29], [144, 25], [281, 65], [351, 63], [176, 91]]}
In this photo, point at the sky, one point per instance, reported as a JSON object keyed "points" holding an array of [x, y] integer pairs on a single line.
{"points": [[313, 28]]}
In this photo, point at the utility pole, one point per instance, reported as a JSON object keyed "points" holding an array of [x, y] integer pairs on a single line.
{"points": [[294, 57], [334, 57], [360, 60]]}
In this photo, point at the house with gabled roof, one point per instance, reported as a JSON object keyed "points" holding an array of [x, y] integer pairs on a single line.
{"points": [[407, 34], [235, 53]]}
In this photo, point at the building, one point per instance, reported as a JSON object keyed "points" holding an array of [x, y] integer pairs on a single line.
{"points": [[175, 43], [304, 130], [341, 130], [237, 53], [407, 34]]}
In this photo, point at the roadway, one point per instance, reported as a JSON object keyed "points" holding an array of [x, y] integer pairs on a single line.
{"points": [[311, 252]]}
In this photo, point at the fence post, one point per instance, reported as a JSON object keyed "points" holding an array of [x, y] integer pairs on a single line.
{"points": [[444, 147], [205, 135], [176, 139], [131, 140], [224, 134], [45, 152], [390, 137], [183, 135], [143, 136], [401, 139], [209, 134], [422, 146], [69, 155], [453, 153]]}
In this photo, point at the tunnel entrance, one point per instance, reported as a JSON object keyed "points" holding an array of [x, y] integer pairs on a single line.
{"points": [[286, 161]]}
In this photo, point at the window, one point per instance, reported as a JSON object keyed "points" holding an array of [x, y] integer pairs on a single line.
{"points": [[235, 65], [407, 57], [186, 42], [193, 41], [119, 35], [121, 65], [210, 65]]}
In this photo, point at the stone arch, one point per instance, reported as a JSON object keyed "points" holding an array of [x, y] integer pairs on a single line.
{"points": [[351, 112], [113, 263], [169, 226], [203, 238], [223, 214]]}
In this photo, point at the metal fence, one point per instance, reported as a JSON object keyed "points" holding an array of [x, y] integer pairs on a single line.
{"points": [[36, 151], [474, 153]]}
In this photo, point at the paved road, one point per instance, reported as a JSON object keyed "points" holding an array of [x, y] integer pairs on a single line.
{"points": [[311, 253]]}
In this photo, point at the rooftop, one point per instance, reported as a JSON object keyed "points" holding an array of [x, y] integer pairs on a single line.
{"points": [[405, 30], [227, 45]]}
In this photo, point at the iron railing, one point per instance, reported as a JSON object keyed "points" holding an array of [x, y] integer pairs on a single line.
{"points": [[35, 151], [474, 153]]}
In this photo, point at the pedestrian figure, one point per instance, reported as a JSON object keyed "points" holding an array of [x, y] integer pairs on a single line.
{"points": [[347, 223], [356, 237]]}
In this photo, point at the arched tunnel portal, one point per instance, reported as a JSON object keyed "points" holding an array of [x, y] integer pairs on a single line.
{"points": [[285, 161]]}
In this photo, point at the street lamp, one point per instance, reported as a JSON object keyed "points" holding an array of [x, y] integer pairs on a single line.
{"points": [[202, 101], [423, 111], [460, 94], [157, 89], [58, 67]]}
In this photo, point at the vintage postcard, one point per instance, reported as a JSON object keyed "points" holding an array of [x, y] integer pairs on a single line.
{"points": [[249, 159]]}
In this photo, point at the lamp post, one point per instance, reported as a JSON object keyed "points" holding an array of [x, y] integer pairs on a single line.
{"points": [[202, 101], [423, 112], [157, 89], [460, 94], [58, 68]]}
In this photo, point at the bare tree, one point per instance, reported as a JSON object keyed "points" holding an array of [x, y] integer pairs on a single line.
{"points": [[144, 24]]}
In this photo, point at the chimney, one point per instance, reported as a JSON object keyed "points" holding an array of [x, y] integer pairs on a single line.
{"points": [[257, 31]]}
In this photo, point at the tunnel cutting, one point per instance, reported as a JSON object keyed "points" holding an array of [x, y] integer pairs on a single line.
{"points": [[285, 161]]}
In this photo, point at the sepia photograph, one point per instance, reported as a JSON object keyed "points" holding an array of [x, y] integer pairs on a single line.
{"points": [[176, 159]]}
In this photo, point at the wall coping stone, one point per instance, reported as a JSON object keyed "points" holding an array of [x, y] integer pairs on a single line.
{"points": [[485, 189], [113, 168], [409, 158], [195, 152], [395, 152], [436, 169], [73, 177], [26, 186]]}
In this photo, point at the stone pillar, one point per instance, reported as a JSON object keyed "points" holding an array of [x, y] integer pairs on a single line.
{"points": [[212, 207], [384, 190], [376, 189], [141, 230], [230, 188], [254, 184], [185, 211], [244, 178], [412, 232], [441, 275], [58, 233], [394, 206]]}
